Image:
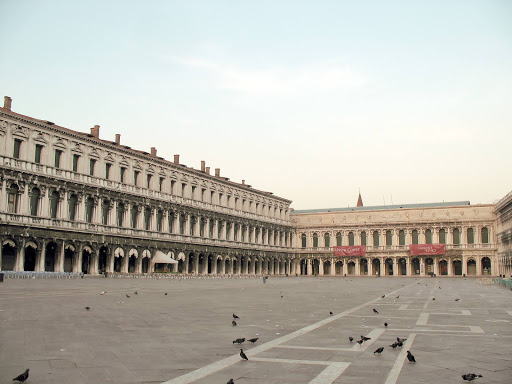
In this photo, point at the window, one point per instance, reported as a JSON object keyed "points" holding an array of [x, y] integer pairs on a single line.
{"points": [[442, 236], [415, 237], [120, 214], [471, 236], [107, 170], [338, 239], [159, 217], [401, 237], [315, 240], [160, 184], [456, 236], [351, 238], [136, 178], [171, 221], [172, 186], [147, 219], [485, 235], [228, 203], [89, 209], [12, 198], [202, 225], [220, 198], [17, 146], [122, 173], [54, 204], [327, 240], [149, 177], [183, 186], [135, 216], [389, 239], [37, 158], [92, 163], [428, 236], [203, 192], [375, 238], [72, 207], [105, 210], [58, 154], [75, 162], [182, 225], [211, 197], [363, 238], [34, 201], [193, 192]]}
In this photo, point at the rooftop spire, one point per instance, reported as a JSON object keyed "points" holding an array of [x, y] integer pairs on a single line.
{"points": [[359, 200]]}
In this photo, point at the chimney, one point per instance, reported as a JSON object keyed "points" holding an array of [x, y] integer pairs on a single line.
{"points": [[153, 151], [217, 172], [243, 182], [176, 159], [207, 170], [7, 103], [118, 138], [96, 131], [203, 165]]}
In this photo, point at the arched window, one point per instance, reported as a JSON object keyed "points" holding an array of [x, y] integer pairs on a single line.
{"points": [[120, 214], [303, 239], [72, 202], [338, 239], [363, 238], [351, 238], [375, 238], [34, 201], [485, 235], [456, 236], [415, 236], [135, 215], [147, 218], [183, 219], [315, 240], [401, 237], [428, 236], [327, 240], [471, 236], [193, 221], [13, 198], [105, 210], [442, 236], [89, 209], [389, 239], [54, 204]]}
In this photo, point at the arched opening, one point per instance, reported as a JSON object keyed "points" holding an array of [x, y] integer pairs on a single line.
{"points": [[338, 268], [72, 203], [415, 236], [376, 267], [442, 236], [470, 237], [8, 256], [485, 235], [316, 267], [327, 267], [235, 265], [102, 260], [303, 240], [443, 267], [351, 238], [50, 257], [428, 236], [415, 266], [89, 209], [401, 237], [456, 237], [219, 265], [327, 240], [389, 239], [118, 263], [402, 266], [429, 266], [145, 264], [35, 196], [132, 264], [338, 239], [363, 267], [363, 238], [389, 267], [486, 266], [303, 267], [54, 204], [191, 260], [86, 260], [69, 257], [471, 267], [13, 197], [351, 268], [181, 263], [201, 266], [457, 267], [315, 240], [375, 238], [30, 259], [210, 263]]}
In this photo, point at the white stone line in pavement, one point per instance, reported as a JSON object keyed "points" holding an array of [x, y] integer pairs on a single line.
{"points": [[387, 317], [471, 329], [509, 312], [224, 363], [399, 363], [373, 335], [403, 307], [327, 376], [423, 319]]}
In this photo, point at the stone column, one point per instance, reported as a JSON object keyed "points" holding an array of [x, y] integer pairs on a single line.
{"points": [[224, 231], [422, 265], [77, 265], [310, 267], [345, 267], [187, 226], [464, 265], [408, 266], [20, 256], [450, 266], [140, 217], [62, 209], [436, 265], [358, 267], [25, 206], [478, 260], [95, 256], [370, 267], [321, 267]]}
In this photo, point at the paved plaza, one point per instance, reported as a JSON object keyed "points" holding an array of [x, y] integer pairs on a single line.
{"points": [[187, 336]]}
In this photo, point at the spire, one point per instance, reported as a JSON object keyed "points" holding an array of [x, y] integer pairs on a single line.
{"points": [[359, 200]]}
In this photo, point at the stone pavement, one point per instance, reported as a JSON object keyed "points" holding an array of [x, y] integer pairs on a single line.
{"points": [[186, 336]]}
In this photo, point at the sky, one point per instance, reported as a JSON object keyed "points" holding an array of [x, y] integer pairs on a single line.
{"points": [[406, 101]]}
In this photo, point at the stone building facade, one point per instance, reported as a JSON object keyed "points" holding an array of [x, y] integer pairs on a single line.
{"points": [[72, 202]]}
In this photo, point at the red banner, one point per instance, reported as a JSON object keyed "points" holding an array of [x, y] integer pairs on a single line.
{"points": [[427, 249], [355, 250]]}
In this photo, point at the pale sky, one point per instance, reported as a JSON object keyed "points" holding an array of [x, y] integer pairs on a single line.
{"points": [[409, 101]]}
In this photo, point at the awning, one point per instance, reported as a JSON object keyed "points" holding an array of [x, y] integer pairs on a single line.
{"points": [[162, 258]]}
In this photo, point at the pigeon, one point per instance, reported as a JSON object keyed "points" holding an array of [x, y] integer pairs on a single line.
{"points": [[379, 350], [165, 293], [87, 308], [399, 344], [394, 345], [234, 323], [375, 311], [103, 292], [230, 381], [398, 296], [254, 340], [400, 340], [23, 377], [360, 342], [470, 377], [364, 338], [457, 299], [439, 287], [239, 341], [242, 355], [383, 296], [330, 313], [235, 316], [351, 339], [433, 299], [128, 296], [385, 324], [410, 357], [135, 293]]}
